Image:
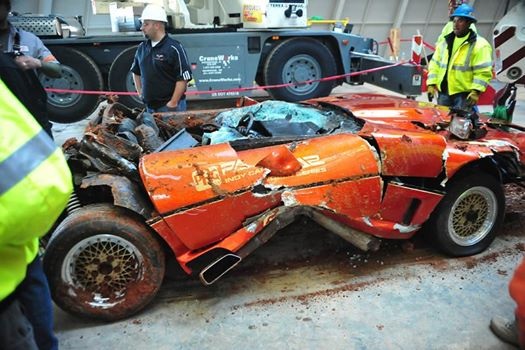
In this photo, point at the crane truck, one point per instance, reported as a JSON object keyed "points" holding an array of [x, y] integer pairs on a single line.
{"points": [[266, 42], [509, 48]]}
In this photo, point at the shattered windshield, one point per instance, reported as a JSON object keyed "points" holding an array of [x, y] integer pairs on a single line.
{"points": [[279, 118]]}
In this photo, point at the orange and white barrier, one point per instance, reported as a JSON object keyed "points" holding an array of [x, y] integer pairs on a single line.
{"points": [[417, 48]]}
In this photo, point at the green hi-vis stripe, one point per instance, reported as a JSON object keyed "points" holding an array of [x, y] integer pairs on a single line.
{"points": [[24, 160]]}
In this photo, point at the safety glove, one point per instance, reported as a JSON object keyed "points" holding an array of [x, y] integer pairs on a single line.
{"points": [[431, 92], [473, 98]]}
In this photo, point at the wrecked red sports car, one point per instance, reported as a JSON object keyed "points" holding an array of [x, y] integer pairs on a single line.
{"points": [[210, 187]]}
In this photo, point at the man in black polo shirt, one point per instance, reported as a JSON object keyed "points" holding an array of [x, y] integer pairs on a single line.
{"points": [[160, 69]]}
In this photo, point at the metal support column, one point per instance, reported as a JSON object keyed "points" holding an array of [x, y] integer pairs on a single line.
{"points": [[401, 14], [338, 9]]}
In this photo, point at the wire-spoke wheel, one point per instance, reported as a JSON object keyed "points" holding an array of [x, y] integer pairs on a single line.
{"points": [[468, 217], [103, 262], [473, 216]]}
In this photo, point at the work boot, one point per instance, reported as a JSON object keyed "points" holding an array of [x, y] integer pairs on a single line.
{"points": [[505, 329]]}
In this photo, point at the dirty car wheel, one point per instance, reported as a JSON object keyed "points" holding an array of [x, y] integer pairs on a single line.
{"points": [[103, 262], [467, 219]]}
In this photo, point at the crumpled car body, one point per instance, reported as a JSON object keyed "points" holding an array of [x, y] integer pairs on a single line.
{"points": [[367, 167]]}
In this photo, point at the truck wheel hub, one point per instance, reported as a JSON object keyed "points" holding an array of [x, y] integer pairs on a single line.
{"points": [[301, 73], [299, 69]]}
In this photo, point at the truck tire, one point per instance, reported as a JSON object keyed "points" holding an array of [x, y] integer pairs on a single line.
{"points": [[103, 262], [121, 79], [79, 72], [296, 60]]}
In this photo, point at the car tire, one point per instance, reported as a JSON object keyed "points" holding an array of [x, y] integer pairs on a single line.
{"points": [[103, 262], [121, 79], [79, 72], [299, 59], [466, 220]]}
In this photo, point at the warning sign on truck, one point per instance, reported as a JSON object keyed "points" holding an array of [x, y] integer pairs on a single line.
{"points": [[252, 13]]}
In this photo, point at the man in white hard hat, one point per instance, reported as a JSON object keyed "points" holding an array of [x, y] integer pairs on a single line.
{"points": [[160, 69]]}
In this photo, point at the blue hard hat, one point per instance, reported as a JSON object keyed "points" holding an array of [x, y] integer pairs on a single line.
{"points": [[465, 11]]}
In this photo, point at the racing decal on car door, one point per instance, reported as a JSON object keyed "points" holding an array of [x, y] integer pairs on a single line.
{"points": [[232, 171], [223, 173], [312, 164], [203, 179]]}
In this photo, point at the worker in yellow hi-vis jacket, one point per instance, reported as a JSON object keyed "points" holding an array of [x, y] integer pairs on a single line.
{"points": [[35, 184], [461, 67]]}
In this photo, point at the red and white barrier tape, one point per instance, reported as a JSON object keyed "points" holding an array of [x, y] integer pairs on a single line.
{"points": [[387, 41]]}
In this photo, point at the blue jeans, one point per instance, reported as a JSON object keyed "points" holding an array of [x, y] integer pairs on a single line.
{"points": [[456, 100], [180, 107], [35, 297]]}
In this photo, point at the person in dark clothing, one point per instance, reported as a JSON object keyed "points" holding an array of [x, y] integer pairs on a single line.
{"points": [[32, 53], [28, 53], [26, 87], [160, 69]]}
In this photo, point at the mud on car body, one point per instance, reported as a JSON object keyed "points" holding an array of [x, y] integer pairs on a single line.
{"points": [[210, 187]]}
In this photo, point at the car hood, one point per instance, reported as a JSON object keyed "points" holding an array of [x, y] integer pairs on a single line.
{"points": [[390, 111]]}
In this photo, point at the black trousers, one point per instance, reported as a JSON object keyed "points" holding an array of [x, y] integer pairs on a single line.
{"points": [[16, 332]]}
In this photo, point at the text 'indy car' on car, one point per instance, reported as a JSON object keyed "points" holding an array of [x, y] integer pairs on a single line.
{"points": [[209, 187]]}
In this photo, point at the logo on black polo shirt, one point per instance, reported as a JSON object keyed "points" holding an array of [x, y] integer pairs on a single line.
{"points": [[159, 57]]}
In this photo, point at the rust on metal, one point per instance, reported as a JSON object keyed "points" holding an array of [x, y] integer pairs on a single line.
{"points": [[219, 183], [125, 193]]}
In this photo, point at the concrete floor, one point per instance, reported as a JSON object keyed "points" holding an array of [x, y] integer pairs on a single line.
{"points": [[317, 295], [307, 289]]}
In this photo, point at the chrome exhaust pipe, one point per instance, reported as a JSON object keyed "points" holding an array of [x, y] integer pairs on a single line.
{"points": [[218, 268]]}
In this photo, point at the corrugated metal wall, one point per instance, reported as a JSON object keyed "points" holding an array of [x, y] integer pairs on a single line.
{"points": [[371, 18], [375, 18]]}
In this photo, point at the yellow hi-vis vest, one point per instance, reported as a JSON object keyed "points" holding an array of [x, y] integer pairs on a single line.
{"points": [[35, 185], [470, 67]]}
